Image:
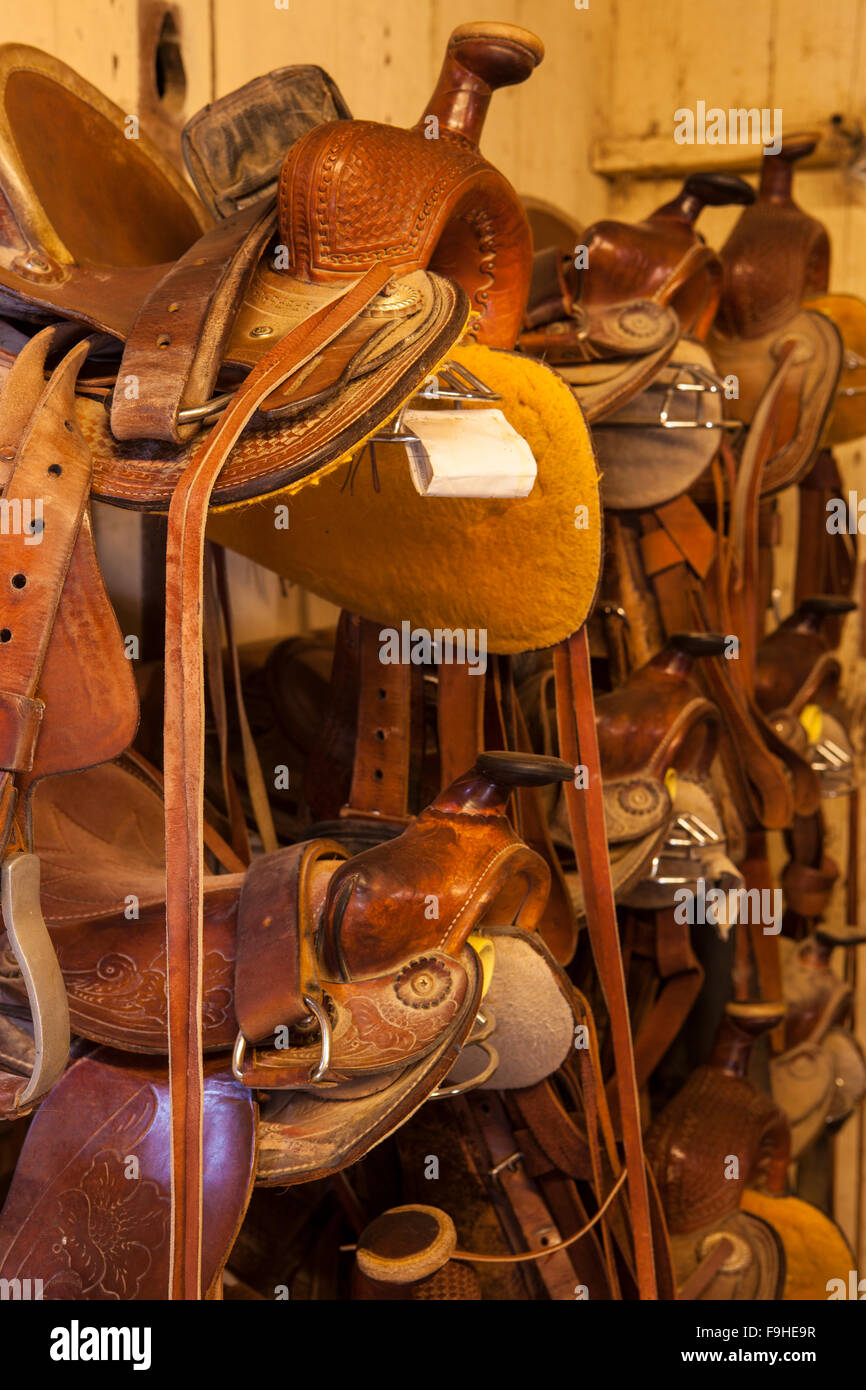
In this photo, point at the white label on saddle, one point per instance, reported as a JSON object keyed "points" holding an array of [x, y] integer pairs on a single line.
{"points": [[468, 453]]}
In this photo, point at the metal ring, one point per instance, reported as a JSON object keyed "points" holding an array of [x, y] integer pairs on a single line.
{"points": [[324, 1062], [324, 1022], [443, 1092], [240, 1048]]}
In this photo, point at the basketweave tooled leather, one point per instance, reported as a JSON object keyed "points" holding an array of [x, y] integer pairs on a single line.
{"points": [[718, 1115], [776, 256], [454, 213]]}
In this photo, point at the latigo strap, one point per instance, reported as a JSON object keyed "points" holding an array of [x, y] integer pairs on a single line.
{"points": [[184, 763]]}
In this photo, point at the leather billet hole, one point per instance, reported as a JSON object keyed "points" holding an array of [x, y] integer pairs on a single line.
{"points": [[164, 340], [55, 469], [5, 634], [69, 425], [19, 581], [378, 774]]}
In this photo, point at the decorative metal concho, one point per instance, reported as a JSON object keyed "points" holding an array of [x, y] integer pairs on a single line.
{"points": [[423, 983]]}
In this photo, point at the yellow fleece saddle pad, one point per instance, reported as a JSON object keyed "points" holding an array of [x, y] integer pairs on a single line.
{"points": [[848, 417], [816, 1252], [524, 569]]}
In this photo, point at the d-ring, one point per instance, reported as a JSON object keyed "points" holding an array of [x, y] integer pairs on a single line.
{"points": [[324, 1062], [442, 1092]]}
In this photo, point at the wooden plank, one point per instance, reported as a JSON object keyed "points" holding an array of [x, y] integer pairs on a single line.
{"points": [[378, 53], [655, 157]]}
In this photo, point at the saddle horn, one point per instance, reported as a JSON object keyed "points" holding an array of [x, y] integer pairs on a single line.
{"points": [[815, 609], [777, 170], [479, 59], [705, 190], [395, 899]]}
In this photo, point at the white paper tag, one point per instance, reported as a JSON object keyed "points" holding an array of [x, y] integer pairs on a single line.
{"points": [[469, 453]]}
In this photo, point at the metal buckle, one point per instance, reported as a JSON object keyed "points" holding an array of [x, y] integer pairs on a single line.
{"points": [[324, 1062], [511, 1163]]}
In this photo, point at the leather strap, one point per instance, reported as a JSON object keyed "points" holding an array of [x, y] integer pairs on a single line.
{"points": [[682, 977], [276, 965], [252, 766], [52, 467], [380, 773], [175, 347], [578, 743], [237, 825], [684, 535], [527, 1205], [184, 759], [460, 719], [51, 464]]}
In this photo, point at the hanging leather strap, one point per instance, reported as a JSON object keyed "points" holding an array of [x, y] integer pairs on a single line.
{"points": [[383, 737], [258, 792], [460, 720], [578, 743], [237, 825], [184, 763], [681, 978], [52, 468]]}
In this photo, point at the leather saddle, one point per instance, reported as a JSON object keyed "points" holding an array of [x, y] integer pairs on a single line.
{"points": [[346, 986], [624, 331], [197, 298], [820, 1077], [776, 258], [717, 1137], [658, 737], [797, 676], [720, 1151]]}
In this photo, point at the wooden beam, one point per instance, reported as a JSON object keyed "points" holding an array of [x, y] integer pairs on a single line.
{"points": [[657, 156]]}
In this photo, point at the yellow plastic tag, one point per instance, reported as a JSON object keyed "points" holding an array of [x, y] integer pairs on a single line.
{"points": [[671, 782], [486, 953], [812, 719]]}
